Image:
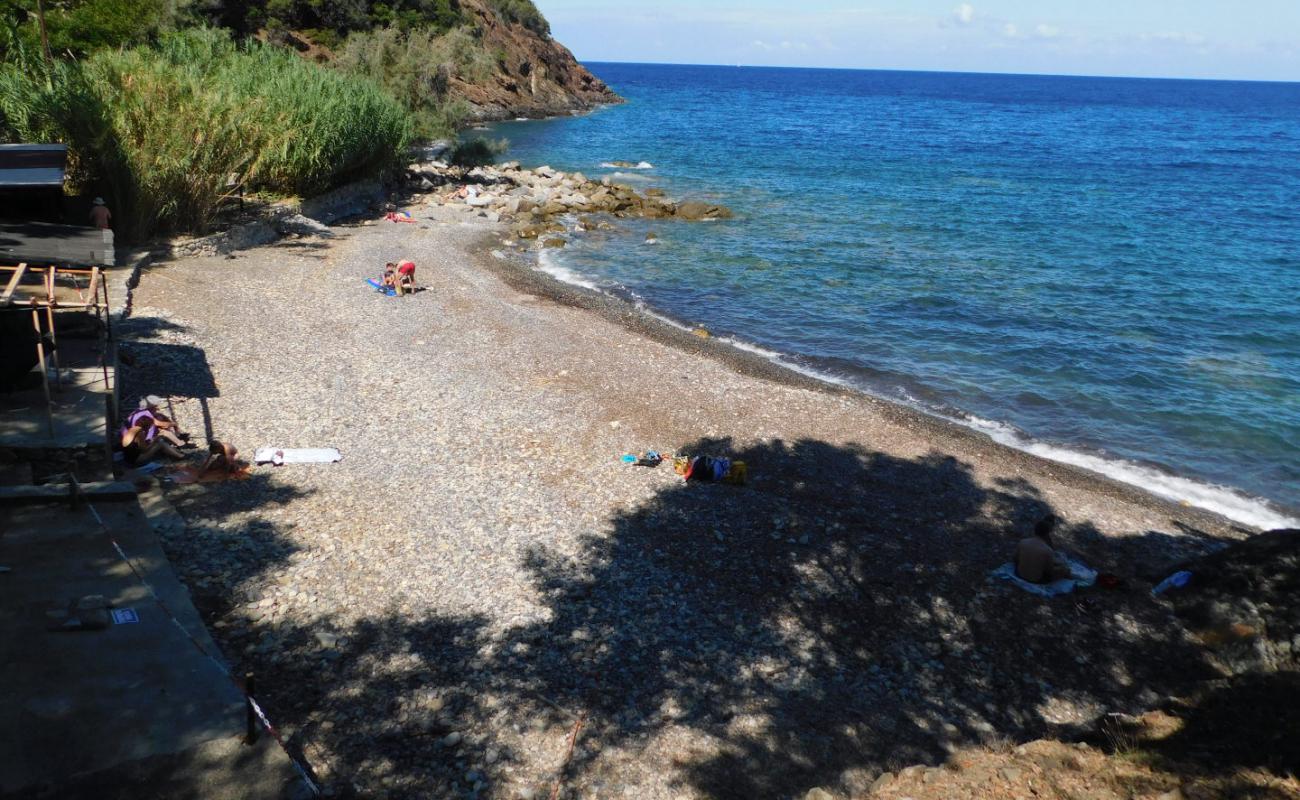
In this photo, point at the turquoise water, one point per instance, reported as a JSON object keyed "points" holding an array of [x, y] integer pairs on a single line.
{"points": [[1104, 271]]}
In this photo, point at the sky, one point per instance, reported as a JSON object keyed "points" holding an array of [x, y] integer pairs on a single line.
{"points": [[1235, 39]]}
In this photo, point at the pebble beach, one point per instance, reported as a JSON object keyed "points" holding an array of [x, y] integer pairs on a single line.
{"points": [[482, 600]]}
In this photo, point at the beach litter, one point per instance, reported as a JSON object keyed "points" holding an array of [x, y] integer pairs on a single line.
{"points": [[309, 455], [1081, 576], [190, 475], [649, 458], [399, 216], [711, 469], [1178, 580]]}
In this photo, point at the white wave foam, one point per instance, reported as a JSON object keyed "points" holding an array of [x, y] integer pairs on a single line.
{"points": [[1221, 500], [631, 176], [625, 165], [547, 263]]}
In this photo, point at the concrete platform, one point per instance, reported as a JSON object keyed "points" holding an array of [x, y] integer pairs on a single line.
{"points": [[44, 242], [80, 409], [131, 710]]}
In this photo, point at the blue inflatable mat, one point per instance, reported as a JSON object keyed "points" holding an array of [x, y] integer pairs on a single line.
{"points": [[379, 287]]}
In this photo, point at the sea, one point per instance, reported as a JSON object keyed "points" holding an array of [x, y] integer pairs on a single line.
{"points": [[1101, 271]]}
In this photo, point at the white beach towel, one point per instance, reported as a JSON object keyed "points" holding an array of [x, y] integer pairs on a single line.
{"points": [[281, 455], [1082, 576]]}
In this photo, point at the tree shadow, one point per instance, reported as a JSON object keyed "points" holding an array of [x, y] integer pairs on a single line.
{"points": [[833, 620], [1247, 722], [177, 372], [829, 621]]}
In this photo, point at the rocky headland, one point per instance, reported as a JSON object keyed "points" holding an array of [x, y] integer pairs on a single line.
{"points": [[535, 75], [532, 201]]}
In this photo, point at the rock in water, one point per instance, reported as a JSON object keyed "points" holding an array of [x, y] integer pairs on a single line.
{"points": [[695, 210]]}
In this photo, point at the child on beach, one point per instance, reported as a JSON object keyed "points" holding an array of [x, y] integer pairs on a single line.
{"points": [[399, 276]]}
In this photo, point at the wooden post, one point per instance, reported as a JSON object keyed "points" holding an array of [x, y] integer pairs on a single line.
{"points": [[108, 311], [45, 376], [250, 721], [13, 283], [103, 338], [49, 318], [74, 491], [45, 39]]}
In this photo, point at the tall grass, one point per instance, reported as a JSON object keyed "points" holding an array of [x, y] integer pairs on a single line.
{"points": [[161, 129]]}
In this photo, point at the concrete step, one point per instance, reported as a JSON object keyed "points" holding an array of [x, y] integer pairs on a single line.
{"points": [[16, 474]]}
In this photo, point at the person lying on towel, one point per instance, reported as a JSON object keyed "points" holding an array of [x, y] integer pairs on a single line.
{"points": [[1036, 560]]}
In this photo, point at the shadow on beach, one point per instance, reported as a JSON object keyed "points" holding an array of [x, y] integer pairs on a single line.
{"points": [[830, 621]]}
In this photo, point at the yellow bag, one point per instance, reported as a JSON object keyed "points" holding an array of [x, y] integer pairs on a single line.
{"points": [[737, 475]]}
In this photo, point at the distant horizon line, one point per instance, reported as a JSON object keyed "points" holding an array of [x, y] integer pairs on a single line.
{"points": [[948, 72]]}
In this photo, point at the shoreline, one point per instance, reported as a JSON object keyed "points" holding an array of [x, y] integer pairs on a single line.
{"points": [[646, 322], [480, 568]]}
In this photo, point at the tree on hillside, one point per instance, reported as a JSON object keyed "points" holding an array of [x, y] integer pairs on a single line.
{"points": [[79, 27], [337, 17]]}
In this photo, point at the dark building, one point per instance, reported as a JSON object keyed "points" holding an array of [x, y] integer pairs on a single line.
{"points": [[31, 182]]}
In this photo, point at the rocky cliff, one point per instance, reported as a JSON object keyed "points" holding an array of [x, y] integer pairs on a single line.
{"points": [[535, 75]]}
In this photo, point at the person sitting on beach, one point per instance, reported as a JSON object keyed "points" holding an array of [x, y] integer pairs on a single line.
{"points": [[140, 442], [162, 425], [390, 276], [1036, 560], [220, 456]]}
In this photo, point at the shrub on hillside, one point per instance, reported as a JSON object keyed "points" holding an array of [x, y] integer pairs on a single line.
{"points": [[160, 129], [249, 16], [416, 67], [524, 13], [477, 152]]}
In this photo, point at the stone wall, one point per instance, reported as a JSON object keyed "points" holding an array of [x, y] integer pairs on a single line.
{"points": [[344, 201]]}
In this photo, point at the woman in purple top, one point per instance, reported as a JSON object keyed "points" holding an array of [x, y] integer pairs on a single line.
{"points": [[162, 425], [140, 441]]}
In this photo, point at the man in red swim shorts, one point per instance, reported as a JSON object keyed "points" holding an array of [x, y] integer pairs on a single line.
{"points": [[405, 276]]}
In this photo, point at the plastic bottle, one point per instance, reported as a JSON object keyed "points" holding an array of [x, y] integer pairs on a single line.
{"points": [[1176, 581]]}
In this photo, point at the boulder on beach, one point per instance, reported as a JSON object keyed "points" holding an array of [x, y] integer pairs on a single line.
{"points": [[298, 225]]}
